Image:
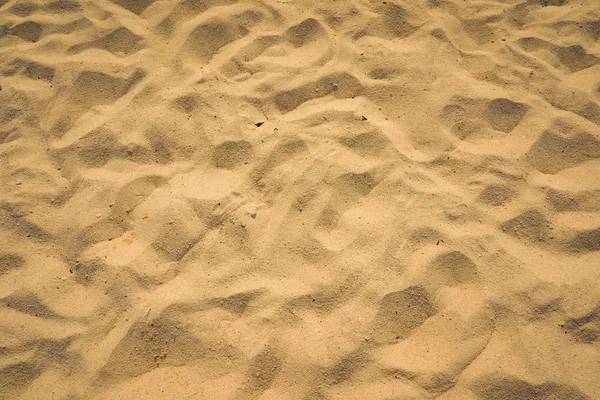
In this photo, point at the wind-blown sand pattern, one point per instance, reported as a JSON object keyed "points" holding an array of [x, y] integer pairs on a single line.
{"points": [[310, 200]]}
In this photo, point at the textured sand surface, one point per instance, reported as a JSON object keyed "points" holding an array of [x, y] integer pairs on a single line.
{"points": [[279, 199]]}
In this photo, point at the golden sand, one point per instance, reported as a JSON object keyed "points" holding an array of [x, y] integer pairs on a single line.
{"points": [[335, 199]]}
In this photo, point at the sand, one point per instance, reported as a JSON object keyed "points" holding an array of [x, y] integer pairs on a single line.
{"points": [[279, 199]]}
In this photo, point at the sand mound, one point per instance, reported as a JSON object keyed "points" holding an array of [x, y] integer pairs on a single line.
{"points": [[300, 200]]}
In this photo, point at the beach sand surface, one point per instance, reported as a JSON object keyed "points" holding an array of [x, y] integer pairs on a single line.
{"points": [[276, 199]]}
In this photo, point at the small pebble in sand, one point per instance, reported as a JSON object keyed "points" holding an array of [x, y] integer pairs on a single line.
{"points": [[171, 222], [253, 215], [98, 215], [18, 182]]}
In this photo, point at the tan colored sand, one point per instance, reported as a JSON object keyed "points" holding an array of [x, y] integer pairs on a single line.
{"points": [[335, 199]]}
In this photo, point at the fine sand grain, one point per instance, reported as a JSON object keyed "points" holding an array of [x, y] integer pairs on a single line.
{"points": [[277, 199]]}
